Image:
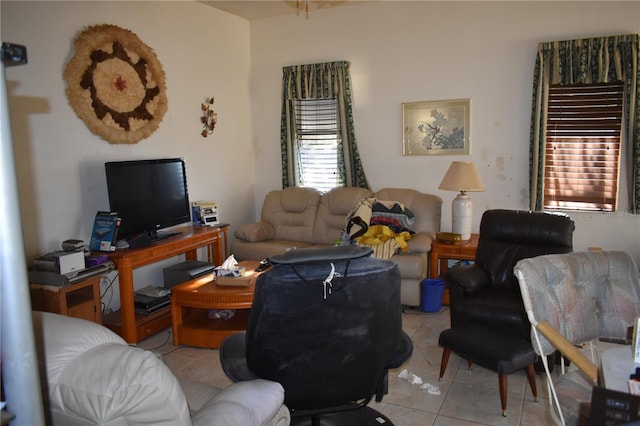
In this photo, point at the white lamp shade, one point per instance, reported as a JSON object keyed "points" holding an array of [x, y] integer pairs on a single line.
{"points": [[462, 176]]}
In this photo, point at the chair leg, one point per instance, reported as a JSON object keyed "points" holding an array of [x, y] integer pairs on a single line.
{"points": [[502, 382], [445, 360], [531, 377], [382, 388]]}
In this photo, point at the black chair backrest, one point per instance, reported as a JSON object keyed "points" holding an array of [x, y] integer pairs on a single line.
{"points": [[327, 347], [507, 236]]}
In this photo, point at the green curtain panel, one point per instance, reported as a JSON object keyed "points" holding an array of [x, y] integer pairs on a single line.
{"points": [[592, 60], [329, 80]]}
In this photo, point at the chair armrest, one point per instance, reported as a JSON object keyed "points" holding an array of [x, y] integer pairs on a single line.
{"points": [[255, 402], [467, 280], [254, 232], [420, 242], [569, 350]]}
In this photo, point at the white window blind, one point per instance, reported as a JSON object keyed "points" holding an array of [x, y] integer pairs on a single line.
{"points": [[582, 152], [318, 134]]}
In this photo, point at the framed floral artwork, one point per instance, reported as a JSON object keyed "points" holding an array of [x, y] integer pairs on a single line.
{"points": [[436, 127]]}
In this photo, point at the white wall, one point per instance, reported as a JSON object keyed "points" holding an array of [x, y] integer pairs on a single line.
{"points": [[407, 51], [60, 163]]}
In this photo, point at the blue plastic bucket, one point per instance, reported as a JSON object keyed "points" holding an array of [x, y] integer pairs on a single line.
{"points": [[432, 292]]}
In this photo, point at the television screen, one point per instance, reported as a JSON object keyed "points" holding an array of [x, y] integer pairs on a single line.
{"points": [[148, 195]]}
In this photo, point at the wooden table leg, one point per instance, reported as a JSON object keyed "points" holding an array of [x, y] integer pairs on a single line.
{"points": [[127, 310]]}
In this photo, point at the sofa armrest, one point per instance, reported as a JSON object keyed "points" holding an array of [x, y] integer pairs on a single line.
{"points": [[255, 402], [254, 232], [466, 280], [420, 242]]}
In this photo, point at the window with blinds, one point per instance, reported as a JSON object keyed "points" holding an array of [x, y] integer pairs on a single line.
{"points": [[317, 135], [582, 152]]}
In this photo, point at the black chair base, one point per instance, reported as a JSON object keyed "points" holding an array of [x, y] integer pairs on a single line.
{"points": [[363, 416], [233, 358], [234, 364]]}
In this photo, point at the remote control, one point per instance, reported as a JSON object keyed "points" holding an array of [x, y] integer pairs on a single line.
{"points": [[264, 264]]}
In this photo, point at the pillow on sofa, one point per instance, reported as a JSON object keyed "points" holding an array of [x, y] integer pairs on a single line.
{"points": [[254, 232]]}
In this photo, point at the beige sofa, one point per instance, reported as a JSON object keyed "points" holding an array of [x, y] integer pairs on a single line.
{"points": [[304, 217]]}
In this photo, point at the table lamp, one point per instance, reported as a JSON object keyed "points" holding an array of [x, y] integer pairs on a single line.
{"points": [[462, 176]]}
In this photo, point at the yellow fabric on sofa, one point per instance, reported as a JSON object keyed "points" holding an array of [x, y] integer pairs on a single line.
{"points": [[383, 241]]}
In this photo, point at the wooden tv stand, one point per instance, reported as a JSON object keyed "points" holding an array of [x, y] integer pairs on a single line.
{"points": [[136, 327]]}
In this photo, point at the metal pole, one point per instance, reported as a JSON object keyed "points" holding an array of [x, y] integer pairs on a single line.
{"points": [[19, 357]]}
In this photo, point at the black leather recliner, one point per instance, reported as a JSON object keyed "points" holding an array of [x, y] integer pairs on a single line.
{"points": [[489, 324], [487, 292], [327, 325]]}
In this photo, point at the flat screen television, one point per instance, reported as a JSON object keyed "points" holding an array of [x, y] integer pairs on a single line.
{"points": [[149, 195]]}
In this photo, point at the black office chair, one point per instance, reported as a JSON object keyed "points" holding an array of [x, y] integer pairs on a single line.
{"points": [[327, 325]]}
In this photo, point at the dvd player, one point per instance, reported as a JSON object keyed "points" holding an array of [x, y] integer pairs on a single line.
{"points": [[149, 304]]}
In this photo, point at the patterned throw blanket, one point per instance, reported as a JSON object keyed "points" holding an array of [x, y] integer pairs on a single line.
{"points": [[384, 226]]}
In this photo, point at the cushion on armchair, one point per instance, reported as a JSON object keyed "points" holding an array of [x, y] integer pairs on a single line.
{"points": [[255, 402], [506, 236], [292, 212]]}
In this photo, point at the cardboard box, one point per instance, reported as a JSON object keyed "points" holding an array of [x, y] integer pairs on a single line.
{"points": [[236, 281]]}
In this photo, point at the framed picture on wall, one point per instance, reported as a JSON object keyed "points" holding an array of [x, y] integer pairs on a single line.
{"points": [[436, 127]]}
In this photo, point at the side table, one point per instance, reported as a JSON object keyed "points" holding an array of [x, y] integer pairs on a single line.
{"points": [[441, 252], [192, 301], [78, 300]]}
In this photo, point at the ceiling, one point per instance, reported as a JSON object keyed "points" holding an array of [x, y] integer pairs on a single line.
{"points": [[252, 10]]}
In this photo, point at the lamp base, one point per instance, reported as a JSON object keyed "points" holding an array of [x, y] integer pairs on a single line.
{"points": [[461, 215]]}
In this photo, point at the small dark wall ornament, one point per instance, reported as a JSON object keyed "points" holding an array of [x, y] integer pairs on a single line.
{"points": [[116, 84], [209, 118]]}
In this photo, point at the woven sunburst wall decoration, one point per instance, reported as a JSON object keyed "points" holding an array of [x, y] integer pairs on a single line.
{"points": [[116, 84]]}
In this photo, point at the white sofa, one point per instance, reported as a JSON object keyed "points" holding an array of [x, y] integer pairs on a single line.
{"points": [[304, 217], [92, 377]]}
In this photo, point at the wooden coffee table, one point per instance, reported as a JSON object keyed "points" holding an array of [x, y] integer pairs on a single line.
{"points": [[192, 301]]}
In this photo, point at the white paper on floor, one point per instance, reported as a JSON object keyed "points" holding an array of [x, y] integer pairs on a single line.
{"points": [[417, 380]]}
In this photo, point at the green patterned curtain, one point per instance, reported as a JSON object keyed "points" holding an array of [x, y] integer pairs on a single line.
{"points": [[329, 80], [593, 60]]}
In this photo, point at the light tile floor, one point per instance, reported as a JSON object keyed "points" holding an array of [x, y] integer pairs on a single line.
{"points": [[467, 397]]}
